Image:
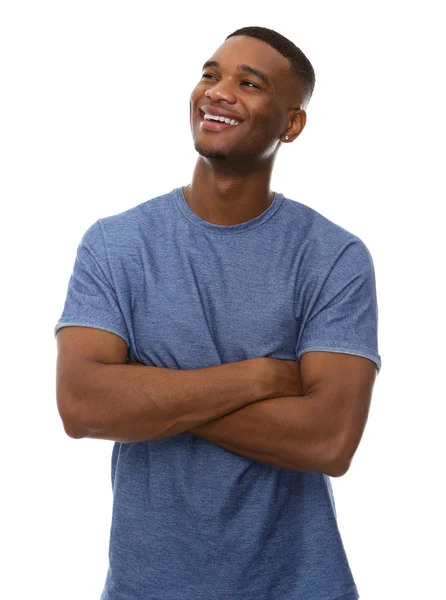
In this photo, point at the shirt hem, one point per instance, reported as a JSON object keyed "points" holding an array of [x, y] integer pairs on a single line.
{"points": [[353, 594], [95, 326], [370, 355]]}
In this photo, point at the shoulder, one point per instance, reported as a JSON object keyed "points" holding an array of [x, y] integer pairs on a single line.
{"points": [[124, 228], [315, 224], [323, 241], [134, 215]]}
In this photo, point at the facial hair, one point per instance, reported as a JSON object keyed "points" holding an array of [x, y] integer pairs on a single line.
{"points": [[217, 154]]}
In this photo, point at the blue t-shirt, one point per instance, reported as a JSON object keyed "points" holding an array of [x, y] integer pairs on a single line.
{"points": [[191, 520]]}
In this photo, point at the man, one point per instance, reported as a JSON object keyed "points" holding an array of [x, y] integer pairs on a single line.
{"points": [[250, 324]]}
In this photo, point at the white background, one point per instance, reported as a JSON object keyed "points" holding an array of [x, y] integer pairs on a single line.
{"points": [[94, 120]]}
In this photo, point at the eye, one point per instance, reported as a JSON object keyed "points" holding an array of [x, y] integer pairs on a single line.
{"points": [[250, 83], [207, 75]]}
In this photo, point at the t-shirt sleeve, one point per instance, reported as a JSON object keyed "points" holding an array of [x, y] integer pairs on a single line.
{"points": [[91, 299], [344, 316]]}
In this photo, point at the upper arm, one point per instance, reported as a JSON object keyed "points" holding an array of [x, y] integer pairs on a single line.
{"points": [[338, 350], [92, 326], [76, 348], [343, 385]]}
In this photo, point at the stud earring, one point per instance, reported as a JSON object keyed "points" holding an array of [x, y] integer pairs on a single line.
{"points": [[286, 137]]}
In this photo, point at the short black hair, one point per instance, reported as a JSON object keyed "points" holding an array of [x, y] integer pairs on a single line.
{"points": [[301, 68]]}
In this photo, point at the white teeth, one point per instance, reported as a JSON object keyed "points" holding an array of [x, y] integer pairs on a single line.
{"points": [[209, 117]]}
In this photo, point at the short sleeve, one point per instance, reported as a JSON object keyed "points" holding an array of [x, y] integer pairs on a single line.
{"points": [[91, 299], [344, 317]]}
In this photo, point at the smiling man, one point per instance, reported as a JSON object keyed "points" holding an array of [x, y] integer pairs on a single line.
{"points": [[249, 100], [220, 471]]}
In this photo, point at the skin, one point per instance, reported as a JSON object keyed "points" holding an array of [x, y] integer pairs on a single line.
{"points": [[231, 179]]}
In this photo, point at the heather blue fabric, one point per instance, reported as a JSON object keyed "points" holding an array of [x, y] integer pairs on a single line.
{"points": [[191, 520]]}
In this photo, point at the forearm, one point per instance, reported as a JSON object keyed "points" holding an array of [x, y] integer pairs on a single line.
{"points": [[282, 432], [266, 459], [142, 403]]}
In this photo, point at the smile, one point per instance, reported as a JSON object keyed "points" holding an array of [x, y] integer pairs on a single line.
{"points": [[208, 117], [216, 123]]}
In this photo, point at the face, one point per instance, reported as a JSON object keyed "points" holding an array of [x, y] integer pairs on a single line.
{"points": [[248, 82]]}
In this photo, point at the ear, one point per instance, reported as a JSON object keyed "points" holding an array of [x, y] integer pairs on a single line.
{"points": [[296, 124]]}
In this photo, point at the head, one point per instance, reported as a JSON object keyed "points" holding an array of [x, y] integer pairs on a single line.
{"points": [[260, 79]]}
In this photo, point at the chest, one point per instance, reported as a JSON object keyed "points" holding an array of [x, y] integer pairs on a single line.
{"points": [[193, 311]]}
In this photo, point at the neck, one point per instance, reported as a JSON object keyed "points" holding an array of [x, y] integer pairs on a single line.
{"points": [[221, 196]]}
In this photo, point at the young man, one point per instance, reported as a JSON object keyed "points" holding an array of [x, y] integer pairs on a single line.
{"points": [[250, 322]]}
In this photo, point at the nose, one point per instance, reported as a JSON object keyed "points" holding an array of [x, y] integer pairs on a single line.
{"points": [[221, 91]]}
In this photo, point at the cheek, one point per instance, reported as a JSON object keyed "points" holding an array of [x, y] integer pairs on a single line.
{"points": [[268, 122], [274, 120], [196, 96], [265, 130]]}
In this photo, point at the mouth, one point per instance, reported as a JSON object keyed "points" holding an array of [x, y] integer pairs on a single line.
{"points": [[214, 123]]}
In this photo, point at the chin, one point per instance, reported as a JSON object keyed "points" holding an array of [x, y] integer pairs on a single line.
{"points": [[215, 154]]}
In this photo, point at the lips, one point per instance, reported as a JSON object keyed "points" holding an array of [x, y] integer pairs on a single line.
{"points": [[220, 112], [217, 126], [207, 125]]}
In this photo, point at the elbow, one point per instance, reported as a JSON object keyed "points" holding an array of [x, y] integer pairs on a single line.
{"points": [[337, 468], [339, 463], [74, 433], [69, 417], [72, 429], [343, 449], [77, 418]]}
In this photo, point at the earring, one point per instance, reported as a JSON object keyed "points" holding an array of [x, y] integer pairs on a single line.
{"points": [[286, 137]]}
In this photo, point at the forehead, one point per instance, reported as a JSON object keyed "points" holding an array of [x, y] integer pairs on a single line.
{"points": [[256, 54]]}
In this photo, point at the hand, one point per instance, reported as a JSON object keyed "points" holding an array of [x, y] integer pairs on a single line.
{"points": [[281, 377]]}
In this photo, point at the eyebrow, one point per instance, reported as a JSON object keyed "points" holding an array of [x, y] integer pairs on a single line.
{"points": [[246, 68]]}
